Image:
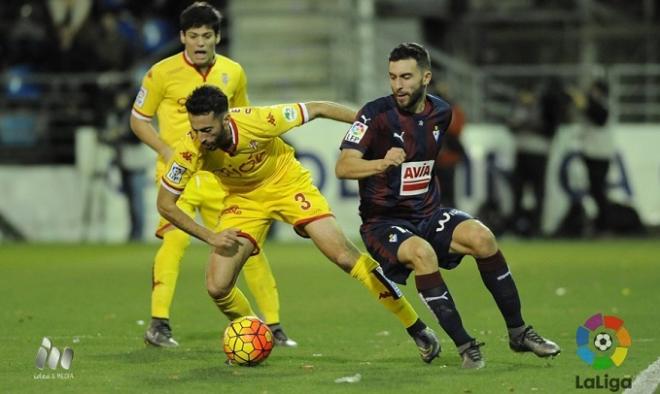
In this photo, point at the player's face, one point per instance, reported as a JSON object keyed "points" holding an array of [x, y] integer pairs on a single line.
{"points": [[408, 83], [210, 130], [199, 44]]}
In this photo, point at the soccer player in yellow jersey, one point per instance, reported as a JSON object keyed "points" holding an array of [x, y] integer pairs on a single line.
{"points": [[163, 94], [243, 149]]}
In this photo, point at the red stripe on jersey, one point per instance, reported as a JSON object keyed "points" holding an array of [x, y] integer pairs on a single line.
{"points": [[415, 186], [145, 115]]}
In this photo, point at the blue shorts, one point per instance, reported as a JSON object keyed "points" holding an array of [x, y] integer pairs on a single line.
{"points": [[383, 236]]}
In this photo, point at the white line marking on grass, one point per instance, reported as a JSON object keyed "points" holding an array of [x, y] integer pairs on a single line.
{"points": [[647, 381]]}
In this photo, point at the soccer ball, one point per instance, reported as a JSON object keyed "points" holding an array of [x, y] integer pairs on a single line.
{"points": [[247, 341], [603, 341]]}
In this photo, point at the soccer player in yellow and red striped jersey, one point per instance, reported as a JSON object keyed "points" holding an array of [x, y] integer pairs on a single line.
{"points": [[243, 148], [162, 95]]}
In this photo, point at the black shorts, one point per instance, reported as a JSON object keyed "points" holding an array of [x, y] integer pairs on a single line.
{"points": [[383, 236]]}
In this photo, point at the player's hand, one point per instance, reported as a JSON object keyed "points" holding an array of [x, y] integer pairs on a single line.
{"points": [[226, 242], [393, 158]]}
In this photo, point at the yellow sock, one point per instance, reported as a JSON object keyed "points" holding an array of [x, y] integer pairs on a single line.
{"points": [[369, 273], [234, 305], [261, 283], [166, 271]]}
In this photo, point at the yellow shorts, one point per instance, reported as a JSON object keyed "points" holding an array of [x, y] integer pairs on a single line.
{"points": [[202, 194], [292, 199]]}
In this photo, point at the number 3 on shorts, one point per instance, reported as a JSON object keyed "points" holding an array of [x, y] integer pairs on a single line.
{"points": [[304, 204]]}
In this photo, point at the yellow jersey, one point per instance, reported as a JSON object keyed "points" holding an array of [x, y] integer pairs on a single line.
{"points": [[256, 156], [168, 83]]}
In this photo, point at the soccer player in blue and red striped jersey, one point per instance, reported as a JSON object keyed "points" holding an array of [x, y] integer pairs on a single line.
{"points": [[391, 149]]}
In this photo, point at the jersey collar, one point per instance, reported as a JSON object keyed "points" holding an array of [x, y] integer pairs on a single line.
{"points": [[234, 138], [189, 62]]}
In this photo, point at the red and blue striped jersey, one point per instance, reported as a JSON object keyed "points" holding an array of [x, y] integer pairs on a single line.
{"points": [[411, 190]]}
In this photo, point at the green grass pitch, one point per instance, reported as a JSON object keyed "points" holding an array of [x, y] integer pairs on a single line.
{"points": [[91, 298]]}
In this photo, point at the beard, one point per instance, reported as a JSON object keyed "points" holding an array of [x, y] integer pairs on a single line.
{"points": [[415, 97]]}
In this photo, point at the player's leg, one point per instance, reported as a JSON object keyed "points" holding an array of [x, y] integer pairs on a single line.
{"points": [[221, 274], [332, 242], [256, 271], [418, 253], [474, 238], [164, 276]]}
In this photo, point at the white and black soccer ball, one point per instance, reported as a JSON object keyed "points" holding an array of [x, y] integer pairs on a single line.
{"points": [[603, 341]]}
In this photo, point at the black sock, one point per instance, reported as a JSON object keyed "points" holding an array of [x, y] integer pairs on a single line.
{"points": [[416, 327], [434, 293], [497, 278]]}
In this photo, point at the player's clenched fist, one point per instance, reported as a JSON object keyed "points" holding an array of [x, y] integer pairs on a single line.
{"points": [[226, 241], [393, 157]]}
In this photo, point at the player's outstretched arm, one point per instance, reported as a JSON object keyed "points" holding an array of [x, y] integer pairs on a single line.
{"points": [[169, 210], [330, 110], [351, 165], [146, 132]]}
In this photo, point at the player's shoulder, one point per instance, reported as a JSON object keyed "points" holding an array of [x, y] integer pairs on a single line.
{"points": [[379, 105], [168, 65], [228, 65], [439, 104]]}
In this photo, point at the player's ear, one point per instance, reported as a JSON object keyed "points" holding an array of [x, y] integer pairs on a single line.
{"points": [[426, 78], [182, 37], [218, 37]]}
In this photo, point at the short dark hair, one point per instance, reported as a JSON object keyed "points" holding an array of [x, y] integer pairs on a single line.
{"points": [[412, 50], [198, 14], [206, 99]]}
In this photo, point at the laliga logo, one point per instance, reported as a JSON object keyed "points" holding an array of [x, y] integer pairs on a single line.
{"points": [[605, 330], [602, 342]]}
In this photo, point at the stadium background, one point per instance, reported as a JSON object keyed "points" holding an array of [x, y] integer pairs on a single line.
{"points": [[64, 139], [63, 120]]}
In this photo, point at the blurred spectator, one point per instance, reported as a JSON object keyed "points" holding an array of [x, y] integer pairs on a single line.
{"points": [[29, 38], [452, 150], [597, 147], [532, 147], [130, 157], [68, 17], [111, 47]]}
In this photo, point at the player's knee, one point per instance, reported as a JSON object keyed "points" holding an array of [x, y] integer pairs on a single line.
{"points": [[418, 253], [483, 241], [216, 290]]}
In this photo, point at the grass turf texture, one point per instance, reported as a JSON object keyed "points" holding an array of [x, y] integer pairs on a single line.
{"points": [[91, 298]]}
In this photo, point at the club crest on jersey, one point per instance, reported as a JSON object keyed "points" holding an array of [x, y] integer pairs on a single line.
{"points": [[225, 78], [356, 132], [175, 174], [436, 133], [415, 177]]}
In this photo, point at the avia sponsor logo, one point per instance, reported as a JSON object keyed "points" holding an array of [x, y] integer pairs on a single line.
{"points": [[603, 343], [415, 177]]}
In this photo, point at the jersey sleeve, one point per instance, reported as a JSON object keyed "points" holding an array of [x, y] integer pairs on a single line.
{"points": [[240, 98], [184, 163], [361, 132], [278, 119], [149, 97]]}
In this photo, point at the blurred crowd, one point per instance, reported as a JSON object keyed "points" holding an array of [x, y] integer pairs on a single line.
{"points": [[84, 35]]}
